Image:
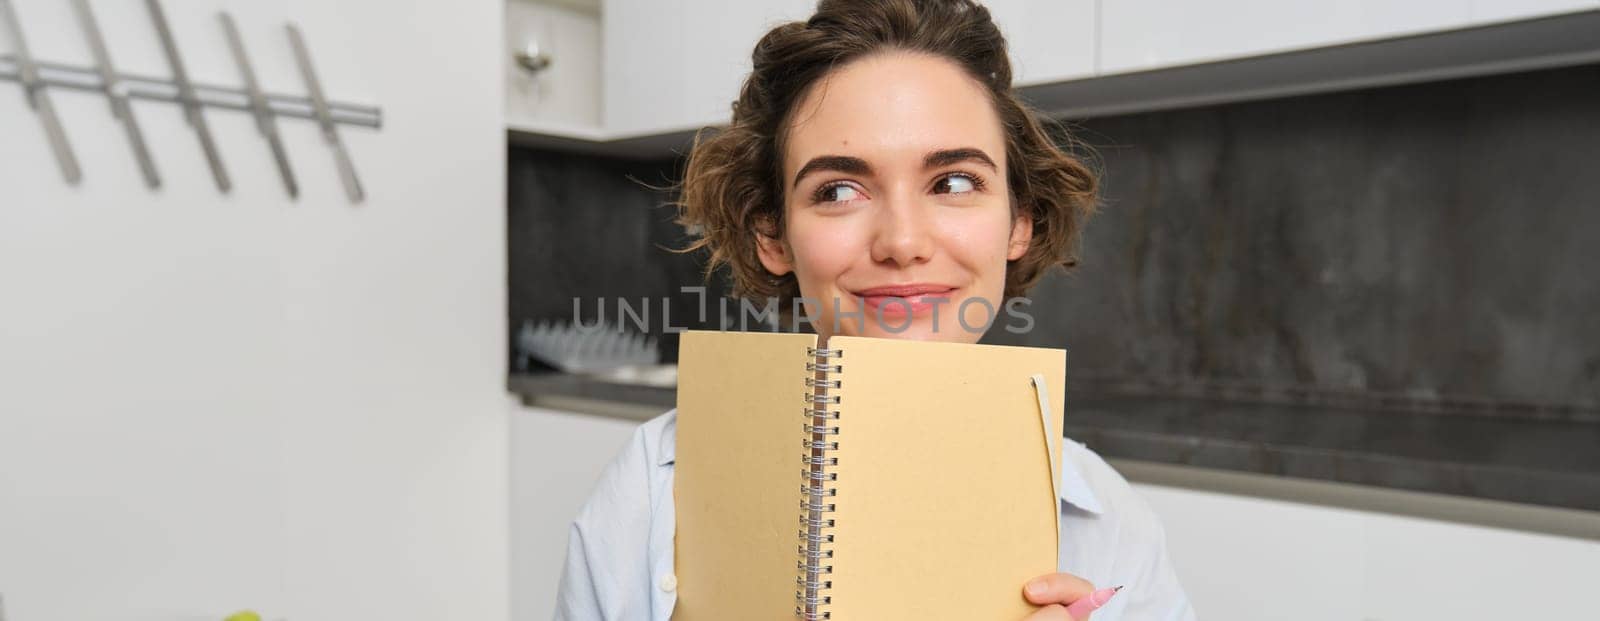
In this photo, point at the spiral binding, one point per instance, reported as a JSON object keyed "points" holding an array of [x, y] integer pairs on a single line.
{"points": [[822, 432]]}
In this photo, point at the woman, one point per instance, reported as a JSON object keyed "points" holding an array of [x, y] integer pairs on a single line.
{"points": [[877, 161]]}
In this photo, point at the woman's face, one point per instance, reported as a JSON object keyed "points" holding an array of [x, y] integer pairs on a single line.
{"points": [[898, 217]]}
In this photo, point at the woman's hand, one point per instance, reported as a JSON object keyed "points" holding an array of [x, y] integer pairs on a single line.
{"points": [[1055, 592]]}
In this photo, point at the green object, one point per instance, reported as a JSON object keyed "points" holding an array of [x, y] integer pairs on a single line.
{"points": [[244, 615]]}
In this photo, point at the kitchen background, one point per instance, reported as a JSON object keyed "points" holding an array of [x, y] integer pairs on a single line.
{"points": [[1339, 292], [1335, 322]]}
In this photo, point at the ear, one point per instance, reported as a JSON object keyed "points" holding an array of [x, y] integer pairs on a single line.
{"points": [[774, 254], [1021, 236]]}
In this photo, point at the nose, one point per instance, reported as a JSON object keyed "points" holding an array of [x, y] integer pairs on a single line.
{"points": [[903, 234]]}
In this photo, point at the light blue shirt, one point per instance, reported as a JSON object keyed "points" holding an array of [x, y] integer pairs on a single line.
{"points": [[619, 555]]}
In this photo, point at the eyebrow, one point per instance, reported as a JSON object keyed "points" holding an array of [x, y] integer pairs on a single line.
{"points": [[947, 157], [857, 166], [841, 163]]}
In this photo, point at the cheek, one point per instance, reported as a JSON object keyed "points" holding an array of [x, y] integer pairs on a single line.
{"points": [[981, 239], [825, 247]]}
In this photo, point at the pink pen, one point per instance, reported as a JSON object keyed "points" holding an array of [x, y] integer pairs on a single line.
{"points": [[1080, 609]]}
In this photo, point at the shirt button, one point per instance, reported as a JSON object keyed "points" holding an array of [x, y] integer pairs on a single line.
{"points": [[669, 583]]}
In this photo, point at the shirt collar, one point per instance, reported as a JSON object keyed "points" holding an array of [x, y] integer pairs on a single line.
{"points": [[1075, 490], [667, 444]]}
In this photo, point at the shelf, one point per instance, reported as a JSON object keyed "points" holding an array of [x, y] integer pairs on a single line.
{"points": [[598, 141]]}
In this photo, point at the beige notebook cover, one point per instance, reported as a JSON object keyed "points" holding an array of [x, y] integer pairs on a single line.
{"points": [[940, 487]]}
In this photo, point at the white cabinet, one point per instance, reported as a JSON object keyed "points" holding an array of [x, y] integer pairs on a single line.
{"points": [[721, 35], [1149, 34], [1487, 11], [1137, 35], [1254, 568], [673, 65], [642, 50], [565, 94], [678, 64], [643, 73], [1050, 40], [556, 457]]}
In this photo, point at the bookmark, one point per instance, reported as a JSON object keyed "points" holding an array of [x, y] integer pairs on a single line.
{"points": [[1043, 393]]}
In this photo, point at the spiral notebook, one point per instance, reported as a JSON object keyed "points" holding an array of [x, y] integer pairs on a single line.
{"points": [[876, 479]]}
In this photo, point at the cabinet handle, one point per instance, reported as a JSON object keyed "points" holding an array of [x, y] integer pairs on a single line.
{"points": [[531, 58]]}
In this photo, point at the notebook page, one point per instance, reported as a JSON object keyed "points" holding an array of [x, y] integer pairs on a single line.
{"points": [[945, 505], [738, 474]]}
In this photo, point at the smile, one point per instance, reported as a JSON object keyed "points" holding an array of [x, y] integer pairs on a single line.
{"points": [[900, 300]]}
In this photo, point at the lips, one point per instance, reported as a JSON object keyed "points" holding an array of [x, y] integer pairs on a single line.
{"points": [[901, 300]]}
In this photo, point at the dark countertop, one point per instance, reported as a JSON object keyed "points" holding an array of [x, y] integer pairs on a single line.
{"points": [[542, 385], [1545, 462], [1548, 462]]}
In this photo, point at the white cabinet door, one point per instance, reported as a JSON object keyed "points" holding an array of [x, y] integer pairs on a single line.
{"points": [[721, 35], [642, 50], [678, 64], [1050, 40], [672, 65], [1148, 34], [1486, 11], [556, 457], [567, 93]]}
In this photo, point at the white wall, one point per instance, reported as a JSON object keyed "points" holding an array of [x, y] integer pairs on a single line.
{"points": [[1240, 558], [214, 402]]}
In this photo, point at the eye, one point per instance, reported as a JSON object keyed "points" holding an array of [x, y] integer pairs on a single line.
{"points": [[838, 192], [957, 183]]}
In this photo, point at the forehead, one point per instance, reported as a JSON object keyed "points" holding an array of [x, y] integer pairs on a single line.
{"points": [[892, 109]]}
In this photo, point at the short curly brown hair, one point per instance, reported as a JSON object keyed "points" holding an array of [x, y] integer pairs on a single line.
{"points": [[732, 187]]}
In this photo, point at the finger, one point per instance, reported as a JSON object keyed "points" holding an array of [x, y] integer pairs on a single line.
{"points": [[1053, 612], [1057, 588]]}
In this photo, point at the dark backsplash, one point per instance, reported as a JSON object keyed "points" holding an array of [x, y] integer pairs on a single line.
{"points": [[593, 228], [1434, 241]]}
